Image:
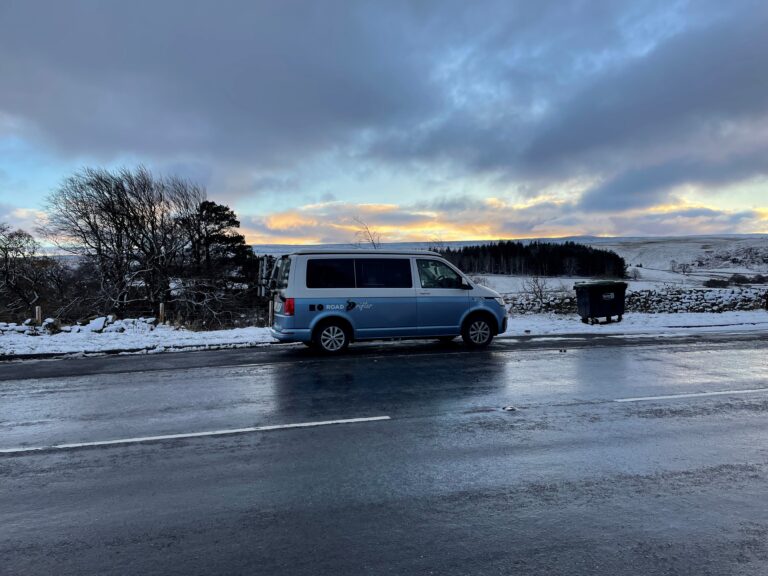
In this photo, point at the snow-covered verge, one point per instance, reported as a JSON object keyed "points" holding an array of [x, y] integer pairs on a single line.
{"points": [[124, 335], [140, 337]]}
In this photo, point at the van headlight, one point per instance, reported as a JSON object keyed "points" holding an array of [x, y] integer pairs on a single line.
{"points": [[500, 301]]}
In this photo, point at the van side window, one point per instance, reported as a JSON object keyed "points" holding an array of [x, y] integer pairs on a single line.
{"points": [[383, 273], [331, 273], [435, 274]]}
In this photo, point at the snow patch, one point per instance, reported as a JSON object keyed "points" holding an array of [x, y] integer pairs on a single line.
{"points": [[124, 335]]}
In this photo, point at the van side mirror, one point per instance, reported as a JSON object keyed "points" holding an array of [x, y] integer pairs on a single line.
{"points": [[465, 285]]}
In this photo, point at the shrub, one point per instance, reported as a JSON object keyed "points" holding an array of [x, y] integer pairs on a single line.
{"points": [[716, 283], [739, 279]]}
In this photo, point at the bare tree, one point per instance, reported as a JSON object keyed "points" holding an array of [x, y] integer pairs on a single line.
{"points": [[437, 244], [146, 240], [85, 218], [129, 224], [537, 288], [156, 209], [366, 236], [25, 274]]}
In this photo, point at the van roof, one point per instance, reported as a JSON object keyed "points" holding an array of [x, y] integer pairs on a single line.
{"points": [[355, 251]]}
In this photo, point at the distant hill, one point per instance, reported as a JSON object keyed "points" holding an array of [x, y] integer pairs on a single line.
{"points": [[728, 251]]}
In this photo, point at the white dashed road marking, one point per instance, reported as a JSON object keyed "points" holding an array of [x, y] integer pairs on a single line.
{"points": [[224, 432], [692, 395]]}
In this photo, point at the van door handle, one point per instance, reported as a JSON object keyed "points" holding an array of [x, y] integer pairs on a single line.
{"points": [[425, 293]]}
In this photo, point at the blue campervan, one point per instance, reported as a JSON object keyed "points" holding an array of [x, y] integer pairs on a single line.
{"points": [[329, 298]]}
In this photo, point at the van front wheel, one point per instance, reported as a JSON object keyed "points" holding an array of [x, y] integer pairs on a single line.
{"points": [[477, 332], [331, 338]]}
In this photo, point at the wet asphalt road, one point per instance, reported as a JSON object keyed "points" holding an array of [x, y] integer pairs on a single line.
{"points": [[570, 482]]}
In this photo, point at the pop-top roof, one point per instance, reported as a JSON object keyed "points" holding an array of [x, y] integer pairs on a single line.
{"points": [[358, 251]]}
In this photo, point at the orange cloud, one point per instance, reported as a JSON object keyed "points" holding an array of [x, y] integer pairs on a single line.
{"points": [[289, 221], [488, 219]]}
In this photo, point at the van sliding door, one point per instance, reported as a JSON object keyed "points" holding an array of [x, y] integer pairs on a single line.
{"points": [[385, 298]]}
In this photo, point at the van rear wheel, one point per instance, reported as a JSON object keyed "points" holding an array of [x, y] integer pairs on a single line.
{"points": [[477, 332], [331, 338]]}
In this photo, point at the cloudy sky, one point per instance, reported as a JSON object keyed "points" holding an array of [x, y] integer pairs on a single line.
{"points": [[427, 119]]}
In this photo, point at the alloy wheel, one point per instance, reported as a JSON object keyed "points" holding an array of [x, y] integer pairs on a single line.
{"points": [[332, 338], [479, 332]]}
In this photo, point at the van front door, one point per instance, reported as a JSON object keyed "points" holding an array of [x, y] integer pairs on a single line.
{"points": [[441, 301]]}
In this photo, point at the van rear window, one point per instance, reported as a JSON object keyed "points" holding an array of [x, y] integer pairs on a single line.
{"points": [[383, 273], [331, 273], [282, 272]]}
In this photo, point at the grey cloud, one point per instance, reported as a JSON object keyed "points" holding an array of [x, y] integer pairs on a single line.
{"points": [[639, 93], [649, 185], [689, 112], [274, 183], [690, 221], [270, 82], [262, 81], [698, 79], [532, 218], [528, 57], [455, 203]]}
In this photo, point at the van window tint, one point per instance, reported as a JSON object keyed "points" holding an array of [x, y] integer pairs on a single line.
{"points": [[383, 273], [436, 274], [331, 273]]}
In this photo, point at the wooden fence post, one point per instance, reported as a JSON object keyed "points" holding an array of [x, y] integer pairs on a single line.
{"points": [[38, 315], [161, 315]]}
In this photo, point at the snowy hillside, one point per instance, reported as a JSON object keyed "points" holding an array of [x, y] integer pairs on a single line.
{"points": [[749, 253]]}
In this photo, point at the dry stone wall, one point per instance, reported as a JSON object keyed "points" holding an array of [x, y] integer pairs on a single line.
{"points": [[661, 300]]}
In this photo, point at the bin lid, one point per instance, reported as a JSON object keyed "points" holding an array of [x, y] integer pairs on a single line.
{"points": [[600, 283]]}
